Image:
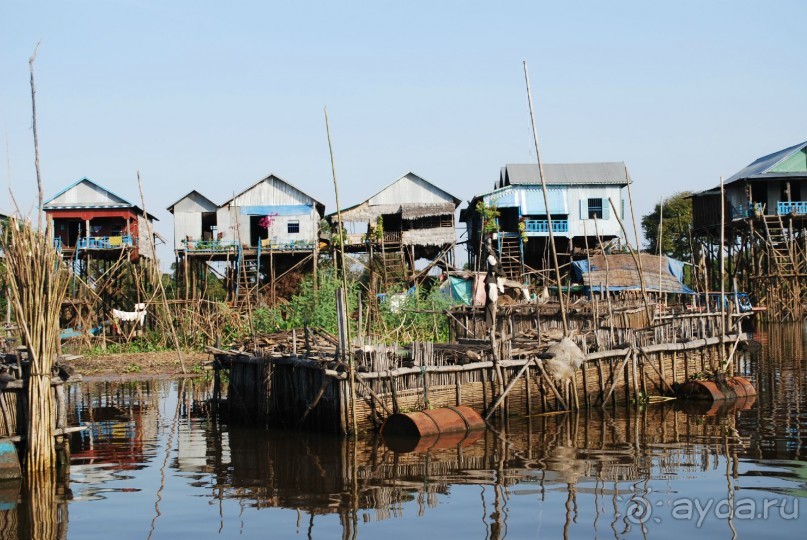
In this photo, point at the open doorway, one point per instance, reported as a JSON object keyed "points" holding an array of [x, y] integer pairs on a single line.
{"points": [[208, 224], [256, 232]]}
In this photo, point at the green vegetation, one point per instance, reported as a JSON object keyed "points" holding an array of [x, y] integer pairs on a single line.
{"points": [[676, 227], [400, 316], [489, 215]]}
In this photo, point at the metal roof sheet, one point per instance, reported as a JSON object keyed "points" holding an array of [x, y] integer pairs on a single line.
{"points": [[171, 208], [614, 172], [763, 165]]}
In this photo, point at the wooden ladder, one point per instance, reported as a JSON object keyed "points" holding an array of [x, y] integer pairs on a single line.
{"points": [[510, 257]]}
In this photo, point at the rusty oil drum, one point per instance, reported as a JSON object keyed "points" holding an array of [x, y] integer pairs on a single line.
{"points": [[432, 429], [733, 388]]}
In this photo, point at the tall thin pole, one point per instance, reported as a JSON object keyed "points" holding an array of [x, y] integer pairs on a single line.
{"points": [[639, 255], [723, 309], [660, 240], [546, 204], [36, 138], [344, 278]]}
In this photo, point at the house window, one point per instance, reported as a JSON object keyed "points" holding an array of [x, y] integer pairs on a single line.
{"points": [[595, 208], [293, 227]]}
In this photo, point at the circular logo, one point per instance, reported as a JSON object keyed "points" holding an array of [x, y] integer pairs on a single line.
{"points": [[638, 511]]}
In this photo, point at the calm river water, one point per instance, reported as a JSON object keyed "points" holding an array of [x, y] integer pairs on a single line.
{"points": [[154, 465]]}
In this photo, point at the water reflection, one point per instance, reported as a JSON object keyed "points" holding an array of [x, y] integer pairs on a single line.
{"points": [[157, 462]]}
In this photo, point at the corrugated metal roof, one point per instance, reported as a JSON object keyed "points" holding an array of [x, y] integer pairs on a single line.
{"points": [[171, 208], [319, 205], [85, 180], [762, 166], [565, 173], [123, 203]]}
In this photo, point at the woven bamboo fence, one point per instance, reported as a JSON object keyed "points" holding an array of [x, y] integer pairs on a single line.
{"points": [[292, 391]]}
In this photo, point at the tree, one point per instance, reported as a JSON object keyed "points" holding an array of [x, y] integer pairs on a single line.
{"points": [[676, 227]]}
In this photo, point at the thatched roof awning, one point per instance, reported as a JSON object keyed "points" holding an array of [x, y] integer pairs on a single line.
{"points": [[620, 273], [415, 211], [437, 236], [365, 212]]}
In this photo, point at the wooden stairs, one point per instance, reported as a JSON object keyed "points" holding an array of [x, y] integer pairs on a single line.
{"points": [[510, 257]]}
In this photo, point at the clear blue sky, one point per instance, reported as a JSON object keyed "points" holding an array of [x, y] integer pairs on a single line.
{"points": [[214, 96]]}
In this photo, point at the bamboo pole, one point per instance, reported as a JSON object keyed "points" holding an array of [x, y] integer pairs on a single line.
{"points": [[722, 272], [607, 284], [347, 349], [38, 285], [660, 240], [546, 204], [155, 265], [636, 237], [637, 259], [40, 213]]}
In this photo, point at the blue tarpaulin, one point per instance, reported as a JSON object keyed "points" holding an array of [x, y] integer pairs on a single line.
{"points": [[458, 290], [670, 281]]}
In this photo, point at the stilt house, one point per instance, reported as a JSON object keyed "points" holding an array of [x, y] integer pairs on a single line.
{"points": [[408, 220], [260, 234], [773, 185], [765, 230], [88, 218], [580, 197]]}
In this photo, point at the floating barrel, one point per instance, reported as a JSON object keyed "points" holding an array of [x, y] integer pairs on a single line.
{"points": [[731, 388], [437, 428]]}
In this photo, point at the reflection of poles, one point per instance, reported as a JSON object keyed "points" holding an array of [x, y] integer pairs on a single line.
{"points": [[39, 516], [169, 444], [729, 484], [571, 509]]}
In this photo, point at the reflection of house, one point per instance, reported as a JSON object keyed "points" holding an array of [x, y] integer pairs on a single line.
{"points": [[578, 195], [91, 219], [264, 230], [408, 220]]}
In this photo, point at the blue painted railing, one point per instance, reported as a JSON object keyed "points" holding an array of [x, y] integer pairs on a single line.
{"points": [[286, 245], [795, 207], [213, 246], [541, 226], [57, 243], [105, 242]]}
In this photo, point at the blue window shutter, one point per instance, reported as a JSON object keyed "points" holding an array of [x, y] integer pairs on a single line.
{"points": [[623, 210], [583, 209], [606, 209]]}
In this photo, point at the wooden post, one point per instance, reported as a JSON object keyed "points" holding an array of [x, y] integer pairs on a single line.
{"points": [[546, 205], [723, 309], [350, 360]]}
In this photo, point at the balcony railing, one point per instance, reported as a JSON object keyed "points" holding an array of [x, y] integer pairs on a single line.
{"points": [[541, 226], [105, 242], [210, 246], [793, 207], [278, 244]]}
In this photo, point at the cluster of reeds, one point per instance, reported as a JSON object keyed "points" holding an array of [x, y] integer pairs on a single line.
{"points": [[37, 283]]}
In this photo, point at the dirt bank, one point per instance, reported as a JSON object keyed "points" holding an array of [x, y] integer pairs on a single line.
{"points": [[133, 365]]}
